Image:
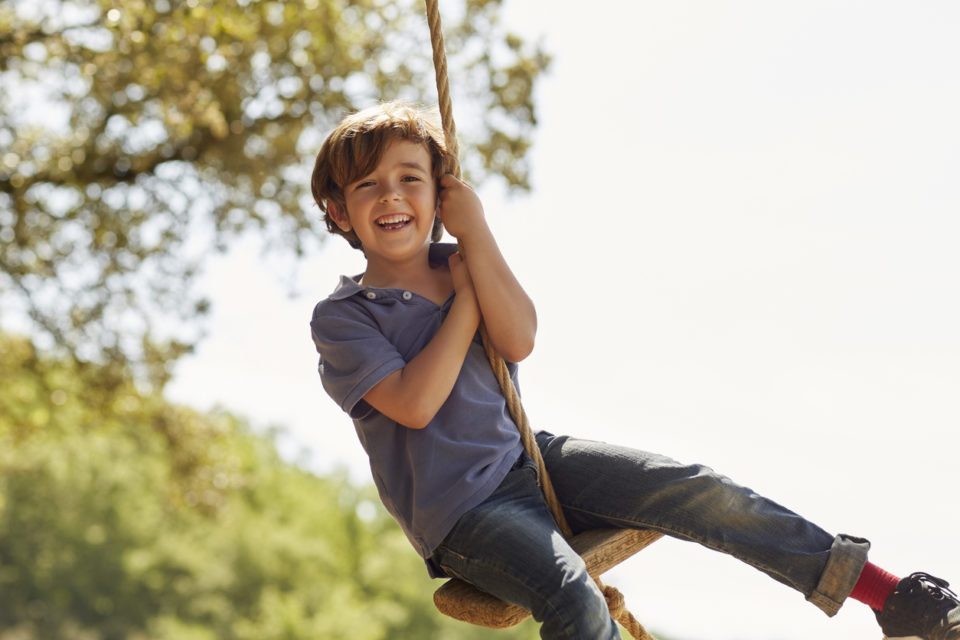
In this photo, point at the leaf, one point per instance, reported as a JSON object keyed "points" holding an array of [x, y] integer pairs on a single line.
{"points": [[141, 137]]}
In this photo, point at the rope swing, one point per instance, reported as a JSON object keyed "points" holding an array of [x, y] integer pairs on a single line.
{"points": [[601, 549]]}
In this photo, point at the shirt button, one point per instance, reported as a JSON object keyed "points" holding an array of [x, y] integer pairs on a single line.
{"points": [[370, 295], [407, 295]]}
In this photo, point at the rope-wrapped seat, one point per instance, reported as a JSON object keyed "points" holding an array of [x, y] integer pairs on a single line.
{"points": [[601, 550]]}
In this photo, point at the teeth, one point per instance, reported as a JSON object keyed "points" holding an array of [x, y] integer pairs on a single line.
{"points": [[397, 218]]}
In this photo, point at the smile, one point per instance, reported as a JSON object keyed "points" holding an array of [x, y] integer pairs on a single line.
{"points": [[393, 221]]}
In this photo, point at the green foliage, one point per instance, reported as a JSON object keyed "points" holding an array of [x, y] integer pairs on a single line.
{"points": [[124, 517], [139, 136]]}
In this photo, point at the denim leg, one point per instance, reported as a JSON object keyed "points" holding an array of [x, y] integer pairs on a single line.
{"points": [[601, 485], [509, 546]]}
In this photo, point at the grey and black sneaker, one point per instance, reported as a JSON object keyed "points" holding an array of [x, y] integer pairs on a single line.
{"points": [[921, 607]]}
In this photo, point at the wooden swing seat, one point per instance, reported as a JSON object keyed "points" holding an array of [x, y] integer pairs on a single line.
{"points": [[601, 549]]}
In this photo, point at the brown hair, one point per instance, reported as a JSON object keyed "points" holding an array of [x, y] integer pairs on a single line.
{"points": [[355, 147]]}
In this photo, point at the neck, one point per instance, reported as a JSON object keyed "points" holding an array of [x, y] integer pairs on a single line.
{"points": [[416, 275], [401, 274]]}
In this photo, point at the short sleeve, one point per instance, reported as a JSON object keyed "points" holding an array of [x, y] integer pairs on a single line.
{"points": [[354, 353]]}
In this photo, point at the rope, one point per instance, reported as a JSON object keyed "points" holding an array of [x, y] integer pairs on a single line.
{"points": [[618, 609], [443, 85], [615, 601], [496, 361], [526, 433]]}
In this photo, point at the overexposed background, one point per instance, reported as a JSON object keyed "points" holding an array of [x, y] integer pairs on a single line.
{"points": [[742, 242]]}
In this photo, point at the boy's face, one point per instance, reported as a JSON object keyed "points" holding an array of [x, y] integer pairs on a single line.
{"points": [[392, 209]]}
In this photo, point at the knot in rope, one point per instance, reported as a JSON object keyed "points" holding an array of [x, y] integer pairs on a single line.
{"points": [[615, 601], [620, 613]]}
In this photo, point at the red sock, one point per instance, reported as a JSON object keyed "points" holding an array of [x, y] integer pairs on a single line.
{"points": [[874, 586]]}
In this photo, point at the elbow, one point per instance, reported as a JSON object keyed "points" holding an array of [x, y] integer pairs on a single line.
{"points": [[516, 350], [418, 417], [408, 405], [412, 415], [522, 342], [518, 355], [514, 341]]}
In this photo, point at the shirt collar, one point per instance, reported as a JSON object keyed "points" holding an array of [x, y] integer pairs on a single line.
{"points": [[350, 285]]}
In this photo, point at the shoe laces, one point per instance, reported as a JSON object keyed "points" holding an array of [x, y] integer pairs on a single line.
{"points": [[935, 587]]}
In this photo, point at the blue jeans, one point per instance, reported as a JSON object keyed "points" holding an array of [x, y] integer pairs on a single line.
{"points": [[509, 545]]}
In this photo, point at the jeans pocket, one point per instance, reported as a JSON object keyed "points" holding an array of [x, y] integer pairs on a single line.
{"points": [[441, 560], [450, 573]]}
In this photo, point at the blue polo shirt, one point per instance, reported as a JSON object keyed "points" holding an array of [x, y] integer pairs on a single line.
{"points": [[427, 478]]}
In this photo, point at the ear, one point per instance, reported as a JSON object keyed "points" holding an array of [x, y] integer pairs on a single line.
{"points": [[339, 216]]}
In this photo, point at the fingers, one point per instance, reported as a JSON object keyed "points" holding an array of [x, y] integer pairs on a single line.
{"points": [[460, 273], [457, 263], [449, 180], [459, 207], [458, 266]]}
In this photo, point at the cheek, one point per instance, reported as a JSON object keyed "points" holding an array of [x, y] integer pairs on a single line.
{"points": [[357, 202]]}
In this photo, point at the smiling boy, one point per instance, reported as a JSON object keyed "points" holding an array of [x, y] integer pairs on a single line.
{"points": [[392, 210], [399, 353], [397, 338]]}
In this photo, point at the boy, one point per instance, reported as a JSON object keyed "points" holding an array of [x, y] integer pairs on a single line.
{"points": [[399, 353]]}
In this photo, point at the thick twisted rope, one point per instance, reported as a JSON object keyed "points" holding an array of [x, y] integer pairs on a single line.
{"points": [[443, 85], [496, 361], [618, 609], [614, 598]]}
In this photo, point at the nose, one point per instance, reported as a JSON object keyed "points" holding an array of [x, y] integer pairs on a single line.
{"points": [[390, 192]]}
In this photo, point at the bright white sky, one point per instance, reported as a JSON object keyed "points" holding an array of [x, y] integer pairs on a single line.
{"points": [[742, 242]]}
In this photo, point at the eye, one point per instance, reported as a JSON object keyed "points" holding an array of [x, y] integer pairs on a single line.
{"points": [[411, 179]]}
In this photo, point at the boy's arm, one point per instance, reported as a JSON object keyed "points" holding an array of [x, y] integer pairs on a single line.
{"points": [[508, 311], [413, 395]]}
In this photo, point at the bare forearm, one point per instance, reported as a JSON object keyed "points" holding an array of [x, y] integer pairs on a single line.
{"points": [[508, 312], [413, 395]]}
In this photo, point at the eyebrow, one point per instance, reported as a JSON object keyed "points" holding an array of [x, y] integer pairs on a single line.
{"points": [[413, 165]]}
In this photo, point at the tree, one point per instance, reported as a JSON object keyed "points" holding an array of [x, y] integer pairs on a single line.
{"points": [[140, 136], [140, 519]]}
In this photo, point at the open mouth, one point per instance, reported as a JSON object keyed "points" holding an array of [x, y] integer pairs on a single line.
{"points": [[393, 221]]}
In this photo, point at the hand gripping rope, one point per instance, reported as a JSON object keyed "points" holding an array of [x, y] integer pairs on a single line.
{"points": [[601, 549]]}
